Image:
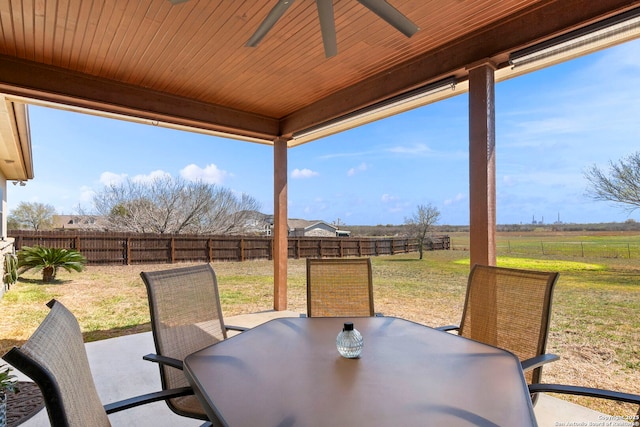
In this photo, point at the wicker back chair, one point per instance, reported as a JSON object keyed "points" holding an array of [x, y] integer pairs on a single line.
{"points": [[510, 309], [339, 287], [54, 357], [185, 317]]}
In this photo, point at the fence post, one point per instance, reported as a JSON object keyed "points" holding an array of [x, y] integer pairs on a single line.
{"points": [[241, 249], [542, 246], [127, 254], [629, 250]]}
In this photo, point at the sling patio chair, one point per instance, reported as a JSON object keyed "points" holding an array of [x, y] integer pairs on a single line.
{"points": [[186, 316], [510, 309], [631, 420], [339, 287], [55, 358]]}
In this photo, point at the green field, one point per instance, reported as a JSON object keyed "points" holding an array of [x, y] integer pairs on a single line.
{"points": [[603, 244]]}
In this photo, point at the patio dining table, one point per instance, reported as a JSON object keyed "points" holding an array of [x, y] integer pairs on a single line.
{"points": [[288, 372]]}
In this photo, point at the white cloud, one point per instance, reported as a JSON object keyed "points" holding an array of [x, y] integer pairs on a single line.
{"points": [[396, 208], [415, 149], [457, 198], [360, 168], [303, 173], [509, 180], [559, 179], [210, 174], [586, 103], [86, 193], [550, 126], [158, 174], [388, 198], [358, 154], [110, 178]]}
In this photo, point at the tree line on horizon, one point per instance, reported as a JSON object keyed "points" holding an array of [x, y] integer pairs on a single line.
{"points": [[173, 205], [164, 205]]}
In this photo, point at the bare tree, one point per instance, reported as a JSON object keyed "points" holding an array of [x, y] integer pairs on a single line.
{"points": [[34, 216], [173, 205], [420, 223], [620, 185]]}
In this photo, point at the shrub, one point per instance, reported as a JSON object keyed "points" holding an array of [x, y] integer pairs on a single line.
{"points": [[48, 260], [10, 269]]}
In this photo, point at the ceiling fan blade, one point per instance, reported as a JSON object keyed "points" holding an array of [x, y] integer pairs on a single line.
{"points": [[390, 14], [266, 25], [328, 27]]}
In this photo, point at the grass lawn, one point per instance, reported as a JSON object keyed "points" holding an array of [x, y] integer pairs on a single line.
{"points": [[595, 323]]}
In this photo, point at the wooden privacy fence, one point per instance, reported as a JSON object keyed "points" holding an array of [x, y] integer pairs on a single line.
{"points": [[135, 248]]}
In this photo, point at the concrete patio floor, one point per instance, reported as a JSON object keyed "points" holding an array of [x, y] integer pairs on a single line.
{"points": [[120, 372]]}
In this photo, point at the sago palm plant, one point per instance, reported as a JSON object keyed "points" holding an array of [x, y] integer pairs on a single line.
{"points": [[8, 381], [49, 260]]}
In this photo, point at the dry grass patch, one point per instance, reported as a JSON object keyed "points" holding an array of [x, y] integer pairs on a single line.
{"points": [[595, 324]]}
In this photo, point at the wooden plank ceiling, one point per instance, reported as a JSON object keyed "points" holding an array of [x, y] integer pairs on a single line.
{"points": [[187, 64]]}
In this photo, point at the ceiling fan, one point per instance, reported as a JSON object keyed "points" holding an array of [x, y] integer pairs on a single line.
{"points": [[327, 24]]}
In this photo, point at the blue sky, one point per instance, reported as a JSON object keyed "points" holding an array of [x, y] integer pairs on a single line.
{"points": [[550, 126]]}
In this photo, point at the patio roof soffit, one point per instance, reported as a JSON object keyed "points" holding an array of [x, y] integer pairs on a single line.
{"points": [[32, 82], [56, 87], [16, 161], [493, 44]]}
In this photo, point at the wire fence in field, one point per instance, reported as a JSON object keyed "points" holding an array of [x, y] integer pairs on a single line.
{"points": [[576, 249]]}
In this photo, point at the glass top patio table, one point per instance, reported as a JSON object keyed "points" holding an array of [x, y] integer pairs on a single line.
{"points": [[288, 372]]}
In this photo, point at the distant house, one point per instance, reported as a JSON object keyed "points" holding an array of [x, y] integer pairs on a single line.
{"points": [[257, 223], [79, 222], [309, 228], [315, 228]]}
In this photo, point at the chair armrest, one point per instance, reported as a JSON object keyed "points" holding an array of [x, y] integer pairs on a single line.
{"points": [[536, 362], [448, 328], [147, 398], [164, 360], [235, 328], [585, 391]]}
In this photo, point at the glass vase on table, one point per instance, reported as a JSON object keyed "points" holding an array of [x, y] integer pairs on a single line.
{"points": [[349, 342]]}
